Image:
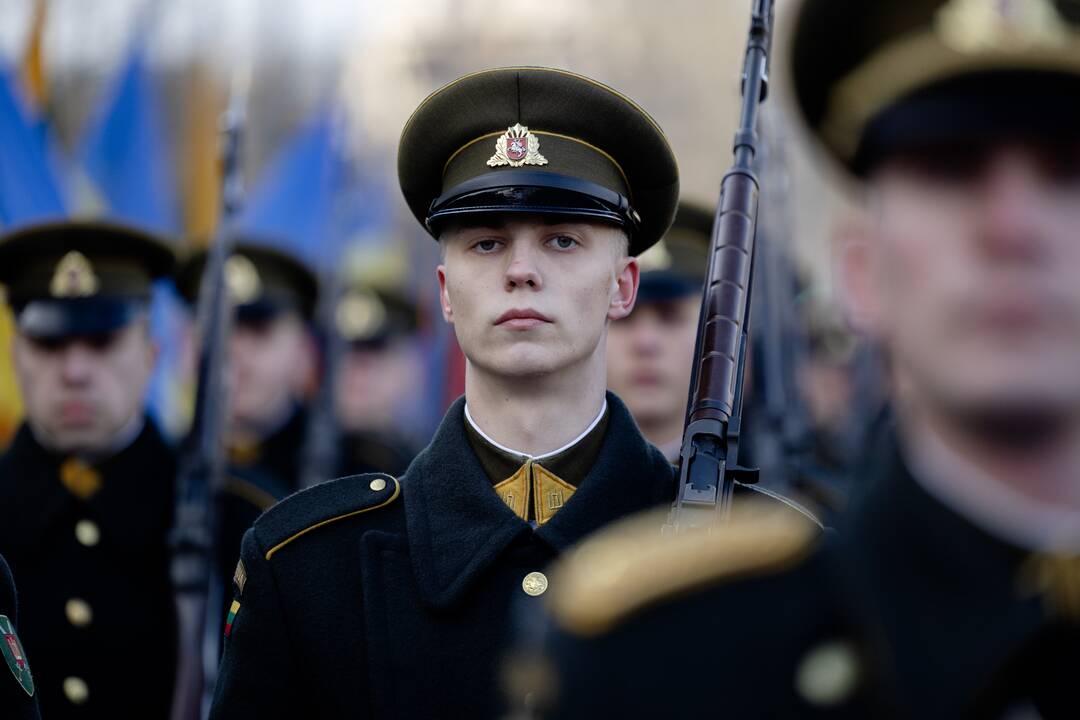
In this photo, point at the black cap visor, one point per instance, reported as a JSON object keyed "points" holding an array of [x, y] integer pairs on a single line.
{"points": [[52, 319], [664, 285], [536, 193], [974, 108]]}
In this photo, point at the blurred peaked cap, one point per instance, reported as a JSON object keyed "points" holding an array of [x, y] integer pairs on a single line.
{"points": [[871, 78], [675, 267], [377, 303], [262, 280], [540, 141], [80, 277]]}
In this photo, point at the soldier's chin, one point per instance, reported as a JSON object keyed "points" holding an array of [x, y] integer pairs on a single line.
{"points": [[1023, 420], [77, 439]]}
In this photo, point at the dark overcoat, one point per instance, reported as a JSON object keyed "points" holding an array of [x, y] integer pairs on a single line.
{"points": [[97, 609], [909, 611], [370, 596]]}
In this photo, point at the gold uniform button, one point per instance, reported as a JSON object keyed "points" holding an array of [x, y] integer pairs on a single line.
{"points": [[87, 533], [78, 612], [76, 690], [534, 584], [828, 674], [377, 484]]}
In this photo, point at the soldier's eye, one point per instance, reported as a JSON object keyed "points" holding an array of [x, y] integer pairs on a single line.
{"points": [[486, 246], [562, 242]]}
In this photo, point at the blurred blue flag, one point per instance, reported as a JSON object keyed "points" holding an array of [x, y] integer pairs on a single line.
{"points": [[126, 151], [128, 175], [29, 189], [309, 200]]}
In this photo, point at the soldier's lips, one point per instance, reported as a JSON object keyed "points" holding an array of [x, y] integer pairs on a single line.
{"points": [[76, 413], [522, 319]]}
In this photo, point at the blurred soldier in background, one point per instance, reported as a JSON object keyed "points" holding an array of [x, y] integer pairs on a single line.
{"points": [[271, 361], [953, 589], [650, 353], [18, 696], [87, 486], [380, 366], [271, 366]]}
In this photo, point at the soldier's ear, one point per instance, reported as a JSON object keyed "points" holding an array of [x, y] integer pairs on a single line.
{"points": [[624, 288], [444, 295], [854, 259]]}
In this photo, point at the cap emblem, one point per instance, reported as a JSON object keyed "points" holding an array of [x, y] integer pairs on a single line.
{"points": [[242, 280], [656, 258], [359, 316], [516, 147], [74, 277], [971, 26]]}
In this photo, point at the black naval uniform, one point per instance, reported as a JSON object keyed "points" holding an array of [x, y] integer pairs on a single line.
{"points": [[375, 597], [911, 611], [18, 696], [88, 543]]}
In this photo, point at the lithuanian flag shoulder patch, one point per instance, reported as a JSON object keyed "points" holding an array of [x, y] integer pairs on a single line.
{"points": [[233, 609]]}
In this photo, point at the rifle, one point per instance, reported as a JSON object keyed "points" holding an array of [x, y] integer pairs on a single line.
{"points": [[202, 462], [708, 459]]}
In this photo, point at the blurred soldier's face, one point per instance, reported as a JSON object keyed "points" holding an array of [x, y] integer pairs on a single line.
{"points": [[649, 359], [970, 276], [269, 364], [374, 382], [82, 392], [527, 298]]}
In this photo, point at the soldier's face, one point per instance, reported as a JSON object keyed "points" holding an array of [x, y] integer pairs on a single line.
{"points": [[649, 358], [81, 392], [269, 364], [970, 276], [528, 298]]}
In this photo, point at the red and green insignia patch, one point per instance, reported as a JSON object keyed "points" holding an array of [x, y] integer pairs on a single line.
{"points": [[233, 609], [15, 657]]}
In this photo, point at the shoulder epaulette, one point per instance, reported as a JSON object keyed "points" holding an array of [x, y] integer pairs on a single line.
{"points": [[630, 565], [323, 504]]}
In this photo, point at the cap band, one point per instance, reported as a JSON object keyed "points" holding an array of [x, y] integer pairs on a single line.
{"points": [[84, 316], [536, 192]]}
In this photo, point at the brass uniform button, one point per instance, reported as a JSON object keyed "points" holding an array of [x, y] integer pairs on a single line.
{"points": [[377, 484], [87, 533], [76, 690], [78, 612], [828, 675], [534, 584]]}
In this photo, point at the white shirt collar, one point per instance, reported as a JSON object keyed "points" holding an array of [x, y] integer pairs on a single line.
{"points": [[527, 456]]}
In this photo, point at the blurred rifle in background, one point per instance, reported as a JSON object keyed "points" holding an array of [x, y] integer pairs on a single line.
{"points": [[202, 461]]}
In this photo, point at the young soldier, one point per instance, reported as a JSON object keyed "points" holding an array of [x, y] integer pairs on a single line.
{"points": [[87, 486], [650, 352], [953, 591], [374, 597], [18, 695]]}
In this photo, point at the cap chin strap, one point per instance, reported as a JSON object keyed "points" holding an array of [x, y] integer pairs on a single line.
{"points": [[497, 192]]}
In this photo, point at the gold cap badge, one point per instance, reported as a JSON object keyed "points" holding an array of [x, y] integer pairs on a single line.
{"points": [[658, 257], [970, 26], [242, 280], [74, 277], [359, 315], [516, 147]]}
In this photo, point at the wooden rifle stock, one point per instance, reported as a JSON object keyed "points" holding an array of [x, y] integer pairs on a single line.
{"points": [[708, 458]]}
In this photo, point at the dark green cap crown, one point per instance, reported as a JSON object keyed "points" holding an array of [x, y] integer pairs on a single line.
{"points": [[872, 77], [541, 141]]}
